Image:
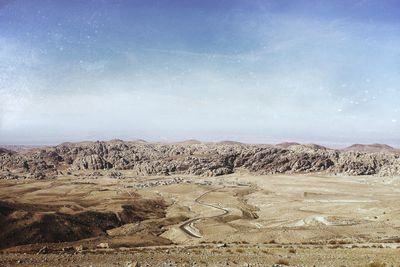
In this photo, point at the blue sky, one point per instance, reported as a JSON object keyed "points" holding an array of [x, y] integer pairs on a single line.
{"points": [[255, 71]]}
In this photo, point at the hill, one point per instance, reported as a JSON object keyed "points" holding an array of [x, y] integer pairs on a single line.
{"points": [[194, 158]]}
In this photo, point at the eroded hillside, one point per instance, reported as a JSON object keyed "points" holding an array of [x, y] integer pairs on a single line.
{"points": [[194, 159]]}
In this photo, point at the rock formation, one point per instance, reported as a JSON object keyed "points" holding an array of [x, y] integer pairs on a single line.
{"points": [[206, 159]]}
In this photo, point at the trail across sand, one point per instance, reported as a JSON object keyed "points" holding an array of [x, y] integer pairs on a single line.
{"points": [[189, 226]]}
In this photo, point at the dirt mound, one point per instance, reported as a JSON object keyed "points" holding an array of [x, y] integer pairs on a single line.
{"points": [[28, 224], [142, 210], [152, 226]]}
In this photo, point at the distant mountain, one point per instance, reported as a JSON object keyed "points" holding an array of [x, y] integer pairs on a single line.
{"points": [[294, 144], [229, 142], [371, 148], [18, 147], [189, 142], [287, 144], [141, 141]]}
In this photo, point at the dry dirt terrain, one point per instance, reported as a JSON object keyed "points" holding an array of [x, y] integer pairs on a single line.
{"points": [[239, 219]]}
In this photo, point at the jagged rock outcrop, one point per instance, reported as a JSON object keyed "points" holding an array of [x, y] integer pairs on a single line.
{"points": [[91, 162], [206, 159]]}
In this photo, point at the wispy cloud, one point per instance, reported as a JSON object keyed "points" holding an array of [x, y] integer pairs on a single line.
{"points": [[18, 79], [302, 78]]}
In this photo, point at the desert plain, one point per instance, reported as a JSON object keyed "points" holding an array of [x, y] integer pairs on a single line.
{"points": [[237, 219], [103, 217]]}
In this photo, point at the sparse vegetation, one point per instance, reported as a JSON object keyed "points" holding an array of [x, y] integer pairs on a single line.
{"points": [[283, 262], [196, 251], [240, 250], [377, 264]]}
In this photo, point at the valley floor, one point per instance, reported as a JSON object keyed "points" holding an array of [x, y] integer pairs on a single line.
{"points": [[239, 219]]}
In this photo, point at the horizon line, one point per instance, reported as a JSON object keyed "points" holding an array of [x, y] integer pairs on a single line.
{"points": [[331, 145]]}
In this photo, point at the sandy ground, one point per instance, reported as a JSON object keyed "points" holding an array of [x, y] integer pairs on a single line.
{"points": [[236, 255], [238, 219]]}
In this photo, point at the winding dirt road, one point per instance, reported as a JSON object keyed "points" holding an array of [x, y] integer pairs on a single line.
{"points": [[189, 226]]}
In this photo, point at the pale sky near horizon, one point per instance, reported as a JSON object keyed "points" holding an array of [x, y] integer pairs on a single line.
{"points": [[257, 71]]}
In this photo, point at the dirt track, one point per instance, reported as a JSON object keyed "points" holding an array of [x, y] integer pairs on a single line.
{"points": [[189, 227]]}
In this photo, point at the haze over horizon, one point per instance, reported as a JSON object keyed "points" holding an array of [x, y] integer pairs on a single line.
{"points": [[251, 71]]}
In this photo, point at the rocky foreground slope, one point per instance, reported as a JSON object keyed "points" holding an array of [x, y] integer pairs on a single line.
{"points": [[195, 158]]}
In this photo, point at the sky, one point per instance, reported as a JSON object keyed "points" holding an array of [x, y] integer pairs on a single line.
{"points": [[324, 72]]}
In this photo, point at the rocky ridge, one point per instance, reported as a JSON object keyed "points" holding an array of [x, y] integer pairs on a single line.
{"points": [[194, 158]]}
